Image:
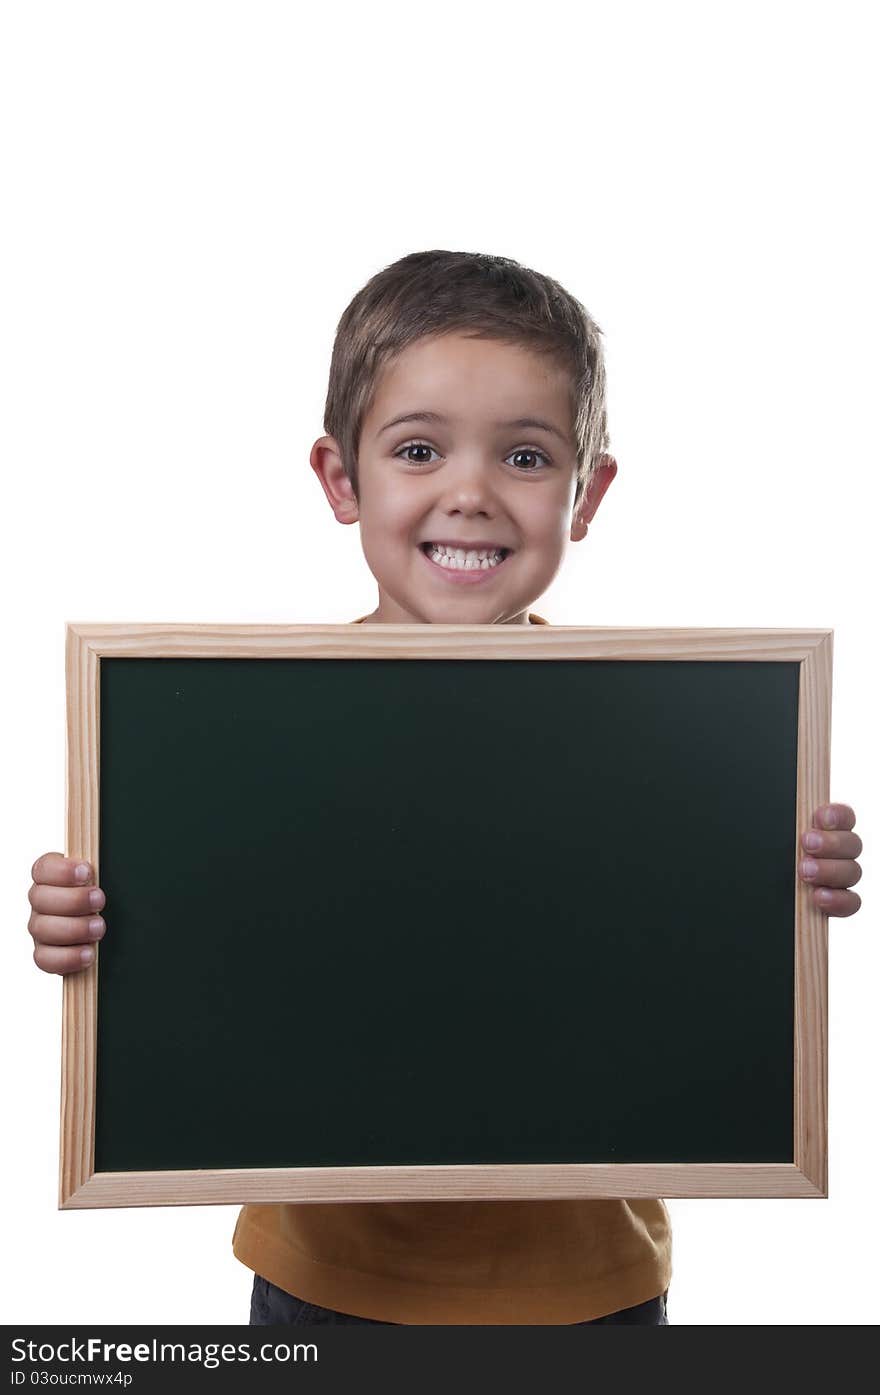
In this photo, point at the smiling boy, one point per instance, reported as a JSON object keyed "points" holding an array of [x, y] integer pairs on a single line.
{"points": [[467, 436], [448, 406]]}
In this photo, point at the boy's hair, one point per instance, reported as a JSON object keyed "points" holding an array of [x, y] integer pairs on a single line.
{"points": [[484, 297]]}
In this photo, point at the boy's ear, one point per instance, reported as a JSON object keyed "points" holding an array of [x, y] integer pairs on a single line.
{"points": [[603, 474], [326, 461]]}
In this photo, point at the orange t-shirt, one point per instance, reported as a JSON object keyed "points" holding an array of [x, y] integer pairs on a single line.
{"points": [[463, 1262]]}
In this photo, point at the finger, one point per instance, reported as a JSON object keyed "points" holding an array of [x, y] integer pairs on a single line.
{"points": [[832, 844], [829, 872], [834, 816], [69, 900], [54, 960], [65, 930], [840, 903], [54, 869]]}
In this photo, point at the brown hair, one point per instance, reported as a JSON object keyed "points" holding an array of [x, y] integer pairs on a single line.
{"points": [[433, 293]]}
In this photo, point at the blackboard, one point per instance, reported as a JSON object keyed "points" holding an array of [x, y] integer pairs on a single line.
{"points": [[414, 911]]}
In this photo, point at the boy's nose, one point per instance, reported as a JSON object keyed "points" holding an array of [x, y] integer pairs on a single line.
{"points": [[468, 486]]}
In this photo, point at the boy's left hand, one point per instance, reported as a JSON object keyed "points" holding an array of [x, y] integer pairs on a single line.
{"points": [[828, 853]]}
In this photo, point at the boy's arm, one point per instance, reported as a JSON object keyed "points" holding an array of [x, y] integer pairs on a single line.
{"points": [[828, 865]]}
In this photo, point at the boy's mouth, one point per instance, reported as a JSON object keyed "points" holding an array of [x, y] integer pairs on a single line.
{"points": [[464, 565]]}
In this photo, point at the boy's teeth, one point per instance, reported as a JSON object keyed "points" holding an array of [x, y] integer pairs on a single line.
{"points": [[483, 557]]}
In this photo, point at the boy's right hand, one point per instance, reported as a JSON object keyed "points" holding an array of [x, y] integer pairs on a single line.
{"points": [[65, 920]]}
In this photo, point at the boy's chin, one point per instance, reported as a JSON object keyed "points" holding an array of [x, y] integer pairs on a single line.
{"points": [[454, 610]]}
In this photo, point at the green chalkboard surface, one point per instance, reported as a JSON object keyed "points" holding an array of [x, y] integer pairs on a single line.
{"points": [[367, 912]]}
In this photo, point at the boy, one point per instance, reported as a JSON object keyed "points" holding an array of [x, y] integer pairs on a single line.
{"points": [[466, 435]]}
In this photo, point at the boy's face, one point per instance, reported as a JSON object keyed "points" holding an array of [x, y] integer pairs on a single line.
{"points": [[474, 479]]}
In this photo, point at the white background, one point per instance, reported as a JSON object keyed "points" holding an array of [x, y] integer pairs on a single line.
{"points": [[192, 194]]}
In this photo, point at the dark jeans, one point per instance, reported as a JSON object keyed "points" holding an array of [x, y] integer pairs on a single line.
{"points": [[271, 1306]]}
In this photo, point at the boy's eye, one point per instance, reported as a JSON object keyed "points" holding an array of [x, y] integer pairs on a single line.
{"points": [[523, 450]]}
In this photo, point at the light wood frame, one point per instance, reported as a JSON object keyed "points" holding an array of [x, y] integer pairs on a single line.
{"points": [[806, 1176]]}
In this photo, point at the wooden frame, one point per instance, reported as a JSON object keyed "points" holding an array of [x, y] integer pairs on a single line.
{"points": [[87, 644]]}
